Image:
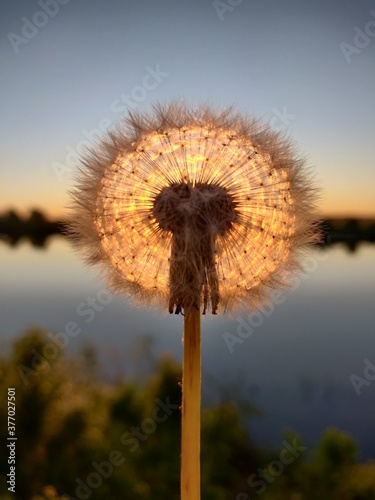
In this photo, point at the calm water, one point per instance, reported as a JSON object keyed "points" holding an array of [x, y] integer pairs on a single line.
{"points": [[294, 362]]}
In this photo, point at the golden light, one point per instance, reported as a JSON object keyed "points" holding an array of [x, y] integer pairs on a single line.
{"points": [[258, 169]]}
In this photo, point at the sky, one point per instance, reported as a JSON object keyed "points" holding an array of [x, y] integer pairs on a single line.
{"points": [[71, 69]]}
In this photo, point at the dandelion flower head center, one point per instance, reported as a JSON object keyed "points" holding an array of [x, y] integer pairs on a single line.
{"points": [[207, 207], [195, 215]]}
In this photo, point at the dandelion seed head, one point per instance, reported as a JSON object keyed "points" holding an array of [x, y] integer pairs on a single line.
{"points": [[196, 208]]}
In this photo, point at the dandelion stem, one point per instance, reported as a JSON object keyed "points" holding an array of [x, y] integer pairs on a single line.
{"points": [[191, 403]]}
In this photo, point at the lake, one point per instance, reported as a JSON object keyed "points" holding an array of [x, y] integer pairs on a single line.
{"points": [[302, 361]]}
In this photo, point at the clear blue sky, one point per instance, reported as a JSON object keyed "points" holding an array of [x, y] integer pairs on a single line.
{"points": [[271, 58]]}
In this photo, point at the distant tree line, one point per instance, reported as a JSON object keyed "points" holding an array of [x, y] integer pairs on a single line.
{"points": [[37, 228]]}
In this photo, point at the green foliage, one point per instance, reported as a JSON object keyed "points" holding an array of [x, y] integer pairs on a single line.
{"points": [[331, 474], [79, 438]]}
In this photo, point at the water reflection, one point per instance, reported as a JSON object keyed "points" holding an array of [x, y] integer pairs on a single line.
{"points": [[295, 366], [37, 229]]}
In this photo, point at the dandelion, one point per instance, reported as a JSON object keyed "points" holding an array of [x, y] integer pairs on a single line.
{"points": [[194, 210]]}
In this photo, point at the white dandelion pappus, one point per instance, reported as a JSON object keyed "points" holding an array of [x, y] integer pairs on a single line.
{"points": [[198, 208]]}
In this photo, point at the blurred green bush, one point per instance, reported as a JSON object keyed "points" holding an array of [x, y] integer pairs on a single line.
{"points": [[80, 437]]}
